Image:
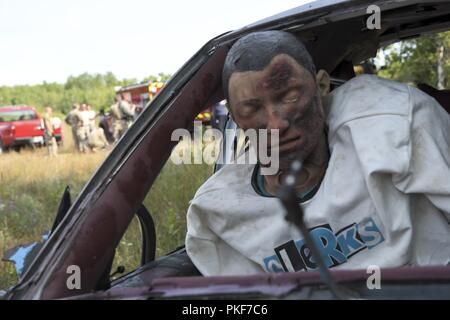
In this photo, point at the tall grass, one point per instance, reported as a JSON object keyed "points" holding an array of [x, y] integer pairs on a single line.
{"points": [[167, 201], [31, 186], [32, 183]]}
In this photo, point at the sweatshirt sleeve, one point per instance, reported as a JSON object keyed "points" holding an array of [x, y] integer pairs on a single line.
{"points": [[404, 154], [428, 169]]}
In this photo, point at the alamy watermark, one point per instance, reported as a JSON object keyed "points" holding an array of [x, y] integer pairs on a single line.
{"points": [[374, 20], [263, 147], [374, 280], [73, 281]]}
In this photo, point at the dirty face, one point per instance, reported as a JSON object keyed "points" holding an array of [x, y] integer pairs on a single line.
{"points": [[282, 96]]}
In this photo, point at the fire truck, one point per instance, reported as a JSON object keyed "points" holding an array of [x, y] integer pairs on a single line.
{"points": [[140, 94]]}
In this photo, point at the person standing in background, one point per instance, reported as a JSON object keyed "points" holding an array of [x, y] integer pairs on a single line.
{"points": [[72, 120], [92, 115], [83, 128], [49, 137], [104, 123], [116, 118], [127, 110], [219, 115]]}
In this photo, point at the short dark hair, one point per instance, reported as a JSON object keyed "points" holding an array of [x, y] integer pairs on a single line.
{"points": [[254, 52]]}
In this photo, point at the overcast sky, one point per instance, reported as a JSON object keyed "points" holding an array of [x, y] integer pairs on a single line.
{"points": [[49, 40]]}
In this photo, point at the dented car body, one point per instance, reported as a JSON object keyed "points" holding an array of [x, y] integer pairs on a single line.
{"points": [[87, 232]]}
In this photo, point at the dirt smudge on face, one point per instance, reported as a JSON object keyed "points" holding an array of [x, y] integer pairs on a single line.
{"points": [[278, 77]]}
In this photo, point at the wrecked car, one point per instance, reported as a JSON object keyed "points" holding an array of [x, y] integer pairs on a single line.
{"points": [[87, 232]]}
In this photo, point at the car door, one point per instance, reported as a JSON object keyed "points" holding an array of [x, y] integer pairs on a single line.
{"points": [[90, 232], [28, 125]]}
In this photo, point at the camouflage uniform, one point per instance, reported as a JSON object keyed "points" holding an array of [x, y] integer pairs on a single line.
{"points": [[97, 139], [117, 121], [128, 113], [82, 127], [92, 125], [71, 120], [50, 139]]}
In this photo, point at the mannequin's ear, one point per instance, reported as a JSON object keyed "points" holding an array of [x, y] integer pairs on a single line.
{"points": [[323, 82]]}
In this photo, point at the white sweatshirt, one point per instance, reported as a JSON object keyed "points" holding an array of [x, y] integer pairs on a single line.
{"points": [[384, 200]]}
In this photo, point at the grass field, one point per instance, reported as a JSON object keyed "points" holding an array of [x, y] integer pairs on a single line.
{"points": [[32, 183]]}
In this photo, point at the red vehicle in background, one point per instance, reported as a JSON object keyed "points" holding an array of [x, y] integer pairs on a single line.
{"points": [[7, 136], [28, 126]]}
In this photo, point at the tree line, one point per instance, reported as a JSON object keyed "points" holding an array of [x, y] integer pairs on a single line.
{"points": [[95, 89]]}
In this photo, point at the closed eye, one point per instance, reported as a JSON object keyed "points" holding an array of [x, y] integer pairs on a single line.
{"points": [[249, 107], [291, 97], [248, 110]]}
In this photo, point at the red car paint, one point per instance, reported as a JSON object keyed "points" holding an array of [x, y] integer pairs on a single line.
{"points": [[7, 135], [29, 126]]}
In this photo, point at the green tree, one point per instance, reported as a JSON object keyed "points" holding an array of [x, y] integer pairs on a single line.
{"points": [[416, 61], [95, 89], [161, 77]]}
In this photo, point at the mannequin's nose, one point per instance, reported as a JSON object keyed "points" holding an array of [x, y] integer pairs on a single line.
{"points": [[276, 121]]}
